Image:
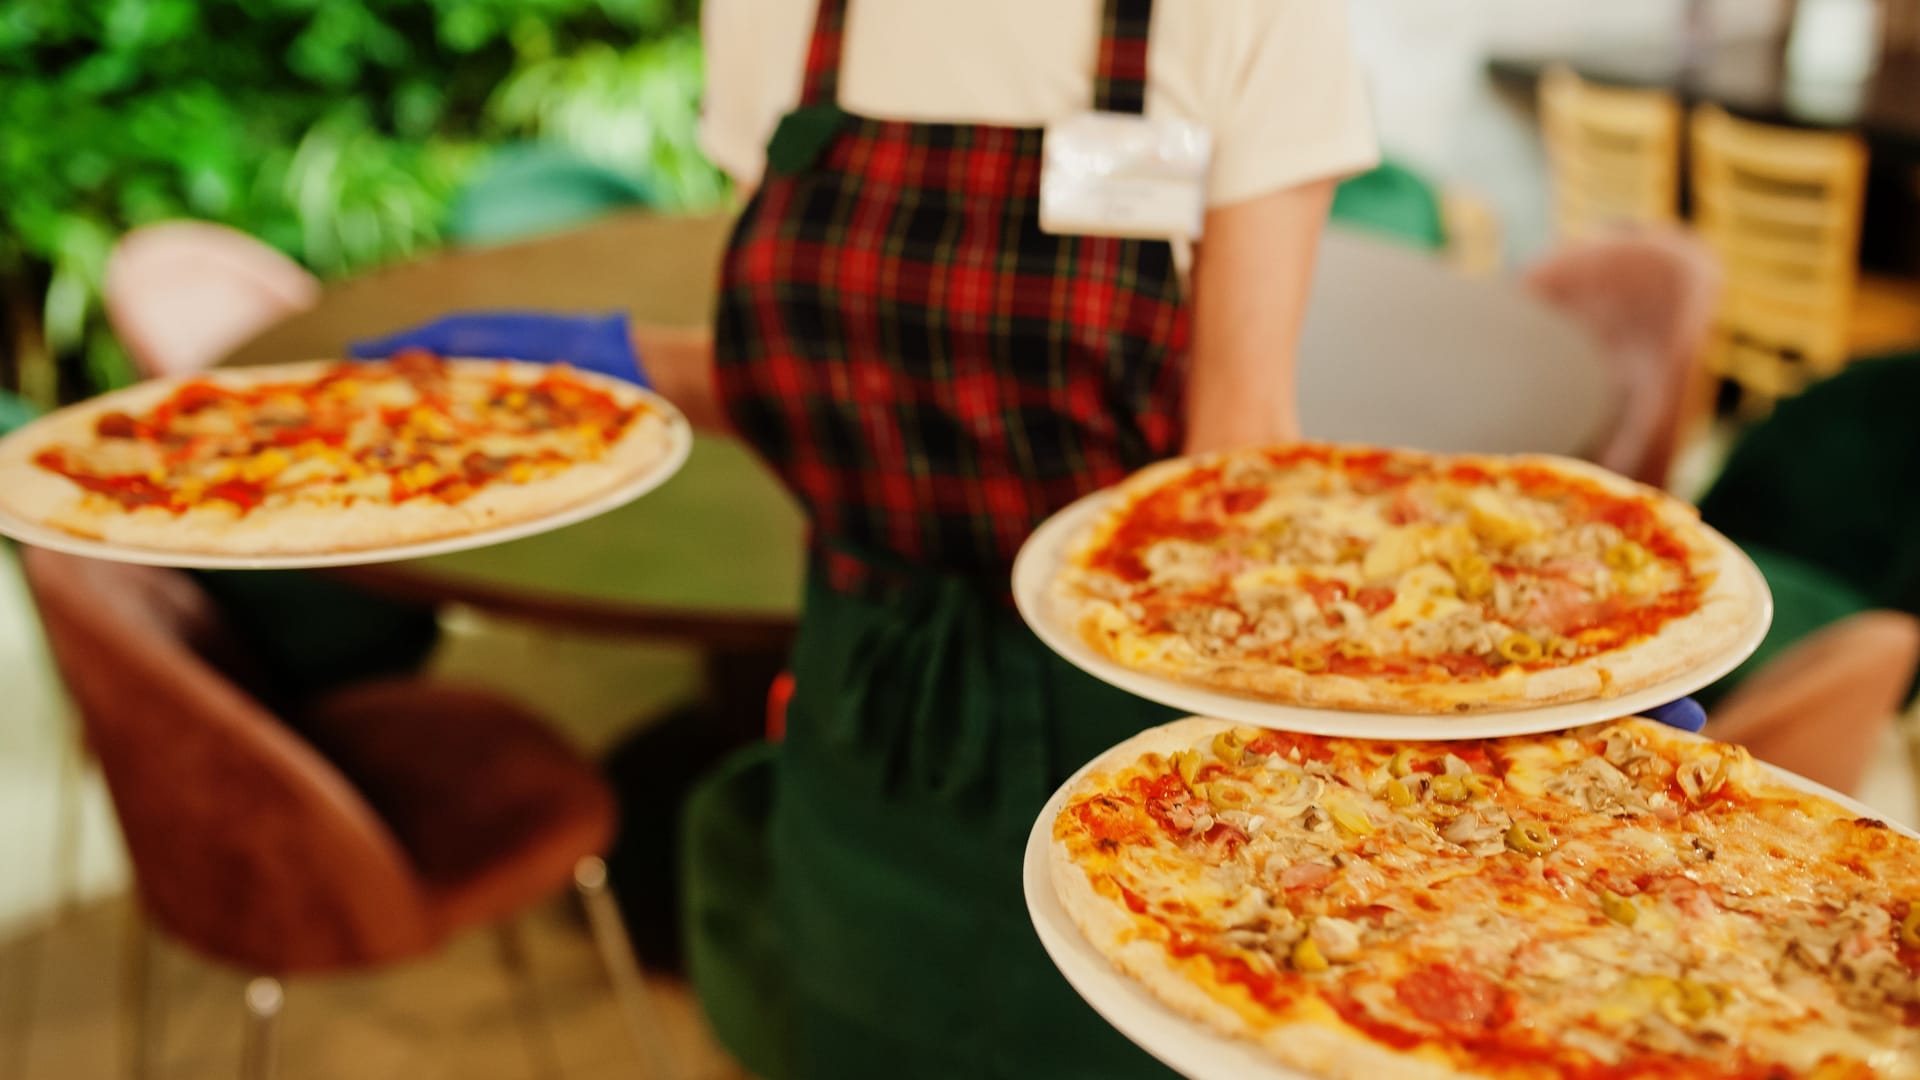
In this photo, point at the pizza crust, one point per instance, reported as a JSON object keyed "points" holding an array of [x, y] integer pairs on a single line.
{"points": [[34, 494], [1726, 607], [1324, 1046]]}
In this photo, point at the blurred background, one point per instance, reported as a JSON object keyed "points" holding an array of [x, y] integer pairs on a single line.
{"points": [[1679, 237]]}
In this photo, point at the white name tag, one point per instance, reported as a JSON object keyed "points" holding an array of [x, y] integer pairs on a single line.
{"points": [[1117, 174]]}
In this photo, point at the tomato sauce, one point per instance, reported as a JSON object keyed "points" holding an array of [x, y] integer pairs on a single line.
{"points": [[1285, 743], [1161, 515]]}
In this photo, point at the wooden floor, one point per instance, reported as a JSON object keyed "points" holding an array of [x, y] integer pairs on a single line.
{"points": [[448, 1018]]}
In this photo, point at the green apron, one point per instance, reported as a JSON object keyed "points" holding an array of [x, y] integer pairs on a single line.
{"points": [[881, 930]]}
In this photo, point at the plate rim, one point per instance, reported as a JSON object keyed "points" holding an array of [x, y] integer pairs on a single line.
{"points": [[1126, 1004], [1036, 566], [35, 534]]}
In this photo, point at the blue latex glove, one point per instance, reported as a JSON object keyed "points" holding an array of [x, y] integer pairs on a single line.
{"points": [[1685, 714], [599, 343]]}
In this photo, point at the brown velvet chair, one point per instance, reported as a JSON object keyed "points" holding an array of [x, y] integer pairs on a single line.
{"points": [[358, 832]]}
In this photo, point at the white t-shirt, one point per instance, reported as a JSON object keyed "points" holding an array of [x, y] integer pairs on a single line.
{"points": [[1276, 81]]}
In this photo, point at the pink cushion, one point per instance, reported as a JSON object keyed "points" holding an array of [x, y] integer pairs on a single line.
{"points": [[181, 294]]}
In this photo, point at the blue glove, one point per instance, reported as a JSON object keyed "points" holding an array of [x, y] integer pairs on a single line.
{"points": [[1685, 714], [598, 343]]}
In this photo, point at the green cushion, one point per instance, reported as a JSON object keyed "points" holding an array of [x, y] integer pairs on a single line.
{"points": [[531, 189], [15, 411], [1392, 201], [1832, 478], [1806, 598]]}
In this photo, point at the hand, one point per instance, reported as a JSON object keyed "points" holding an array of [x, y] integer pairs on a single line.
{"points": [[599, 343], [1685, 714]]}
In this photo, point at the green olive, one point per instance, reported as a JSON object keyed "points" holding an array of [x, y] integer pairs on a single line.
{"points": [[1618, 908], [1520, 649], [1910, 928], [1451, 789], [1306, 956], [1397, 793], [1402, 762], [1227, 746], [1528, 838], [1224, 797]]}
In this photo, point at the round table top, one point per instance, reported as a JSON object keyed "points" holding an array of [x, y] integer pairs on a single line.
{"points": [[1397, 350]]}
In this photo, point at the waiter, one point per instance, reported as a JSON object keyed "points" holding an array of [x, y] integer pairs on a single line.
{"points": [[932, 373]]}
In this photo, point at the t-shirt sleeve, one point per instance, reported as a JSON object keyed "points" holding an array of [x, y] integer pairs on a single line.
{"points": [[739, 107], [1293, 107]]}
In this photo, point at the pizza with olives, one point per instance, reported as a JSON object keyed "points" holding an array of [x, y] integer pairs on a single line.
{"points": [[1618, 901], [328, 457], [1397, 581]]}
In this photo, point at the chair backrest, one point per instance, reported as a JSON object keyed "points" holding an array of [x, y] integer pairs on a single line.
{"points": [[1782, 208], [1820, 706], [1900, 27], [245, 843], [1614, 154], [181, 293], [1649, 295]]}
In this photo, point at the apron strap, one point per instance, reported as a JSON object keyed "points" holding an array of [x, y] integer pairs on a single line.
{"points": [[1120, 80], [821, 85], [1120, 77]]}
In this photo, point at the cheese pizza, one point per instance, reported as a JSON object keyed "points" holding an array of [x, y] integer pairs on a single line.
{"points": [[319, 458], [1619, 901], [1343, 577]]}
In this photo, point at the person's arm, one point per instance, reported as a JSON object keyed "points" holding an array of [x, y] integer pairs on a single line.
{"points": [[1251, 274]]}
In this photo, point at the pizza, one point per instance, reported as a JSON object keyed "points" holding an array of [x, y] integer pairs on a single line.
{"points": [[326, 457], [1397, 581], [1619, 901]]}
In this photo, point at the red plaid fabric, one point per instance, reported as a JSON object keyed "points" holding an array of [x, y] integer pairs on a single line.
{"points": [[929, 372]]}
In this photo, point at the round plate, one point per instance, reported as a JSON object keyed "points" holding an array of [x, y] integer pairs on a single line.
{"points": [[1038, 566], [1187, 1046], [679, 445]]}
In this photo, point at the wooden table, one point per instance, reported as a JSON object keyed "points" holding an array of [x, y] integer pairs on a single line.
{"points": [[713, 557], [1397, 349]]}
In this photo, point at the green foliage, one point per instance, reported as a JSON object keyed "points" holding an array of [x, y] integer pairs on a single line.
{"points": [[336, 130]]}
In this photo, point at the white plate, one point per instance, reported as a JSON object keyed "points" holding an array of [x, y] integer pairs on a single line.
{"points": [[1186, 1046], [1038, 564], [680, 444]]}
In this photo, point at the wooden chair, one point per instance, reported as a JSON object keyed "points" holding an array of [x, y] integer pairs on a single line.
{"points": [[359, 832], [1900, 27], [1614, 154], [1649, 295], [1821, 706], [1782, 209]]}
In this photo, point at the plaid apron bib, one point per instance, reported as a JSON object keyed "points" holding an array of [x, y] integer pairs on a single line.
{"points": [[932, 375]]}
